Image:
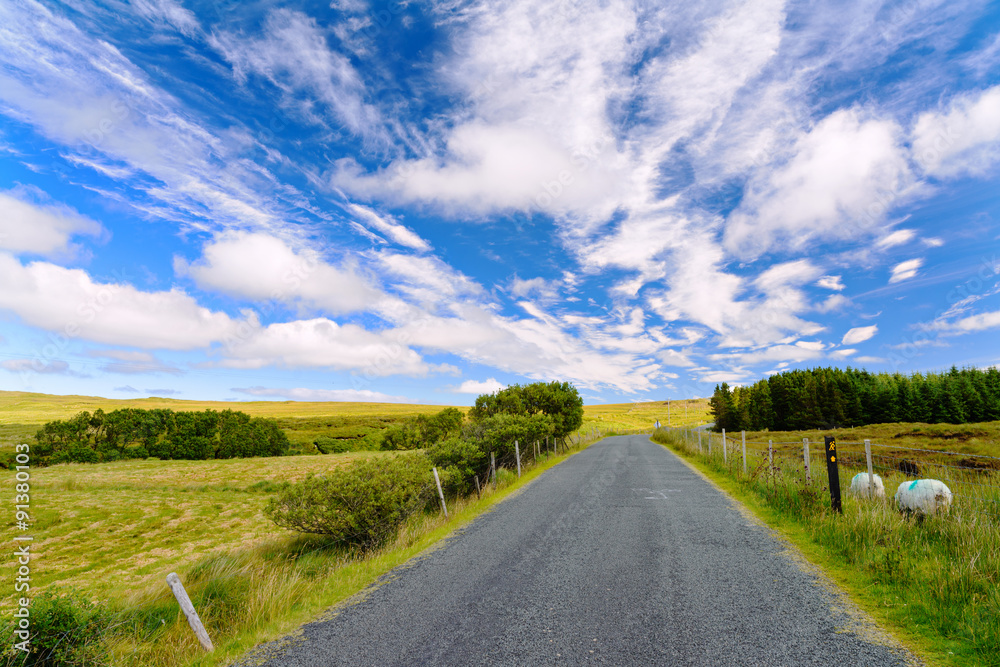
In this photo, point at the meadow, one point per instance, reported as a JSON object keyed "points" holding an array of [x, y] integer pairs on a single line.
{"points": [[112, 531]]}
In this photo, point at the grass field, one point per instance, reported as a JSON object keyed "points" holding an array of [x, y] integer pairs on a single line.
{"points": [[934, 580]]}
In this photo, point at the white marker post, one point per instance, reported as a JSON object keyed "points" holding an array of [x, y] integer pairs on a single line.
{"points": [[192, 616], [437, 480], [517, 453]]}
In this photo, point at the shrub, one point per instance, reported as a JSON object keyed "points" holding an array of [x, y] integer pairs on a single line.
{"points": [[328, 445], [135, 452], [497, 434], [402, 437], [362, 505], [66, 630], [462, 459]]}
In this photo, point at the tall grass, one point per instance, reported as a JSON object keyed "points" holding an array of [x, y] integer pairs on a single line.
{"points": [[933, 577]]}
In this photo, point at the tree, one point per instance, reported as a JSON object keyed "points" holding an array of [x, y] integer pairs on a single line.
{"points": [[559, 401]]}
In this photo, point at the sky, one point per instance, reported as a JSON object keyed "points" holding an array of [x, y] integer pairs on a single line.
{"points": [[426, 201]]}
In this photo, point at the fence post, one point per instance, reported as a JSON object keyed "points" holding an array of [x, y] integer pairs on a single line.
{"points": [[699, 442], [805, 455], [437, 480], [710, 444], [725, 456], [770, 456], [517, 453], [833, 472], [743, 435], [479, 493], [493, 468], [871, 476], [192, 616]]}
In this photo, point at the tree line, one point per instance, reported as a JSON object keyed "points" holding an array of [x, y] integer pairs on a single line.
{"points": [[365, 503], [826, 398], [133, 433]]}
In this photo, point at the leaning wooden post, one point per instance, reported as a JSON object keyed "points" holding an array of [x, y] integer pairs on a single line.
{"points": [[871, 475], [517, 453], [437, 480], [493, 468], [192, 616], [805, 455], [479, 493], [743, 435]]}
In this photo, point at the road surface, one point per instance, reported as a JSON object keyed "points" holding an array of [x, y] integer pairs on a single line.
{"points": [[621, 555]]}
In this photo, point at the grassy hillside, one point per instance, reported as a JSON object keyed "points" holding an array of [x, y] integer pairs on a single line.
{"points": [[22, 414]]}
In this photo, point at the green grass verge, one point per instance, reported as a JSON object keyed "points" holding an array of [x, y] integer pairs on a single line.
{"points": [[935, 583], [246, 591]]}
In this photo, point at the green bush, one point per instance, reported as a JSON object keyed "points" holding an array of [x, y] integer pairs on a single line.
{"points": [[497, 434], [361, 505], [66, 630], [135, 452], [462, 460], [327, 445], [402, 437]]}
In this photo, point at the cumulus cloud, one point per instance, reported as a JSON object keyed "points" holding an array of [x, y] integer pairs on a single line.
{"points": [[964, 139], [831, 283], [259, 266], [69, 302], [386, 225], [488, 386], [835, 187], [859, 335], [27, 226]]}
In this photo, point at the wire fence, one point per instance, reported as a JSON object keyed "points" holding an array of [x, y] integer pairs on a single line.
{"points": [[973, 479]]}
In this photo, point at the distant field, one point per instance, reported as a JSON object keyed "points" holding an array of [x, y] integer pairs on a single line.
{"points": [[22, 414]]}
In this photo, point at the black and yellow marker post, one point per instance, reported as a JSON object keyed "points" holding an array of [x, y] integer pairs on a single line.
{"points": [[833, 472]]}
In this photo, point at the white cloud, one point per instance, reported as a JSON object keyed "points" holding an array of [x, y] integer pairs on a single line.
{"points": [[489, 386], [35, 366], [322, 343], [836, 187], [831, 283], [965, 139], [832, 303], [905, 270], [979, 322], [69, 302], [132, 362], [322, 395], [390, 228], [844, 353], [870, 360], [263, 267], [167, 12], [859, 335], [38, 228], [294, 56], [898, 237]]}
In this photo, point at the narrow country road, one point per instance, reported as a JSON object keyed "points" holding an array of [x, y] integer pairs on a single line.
{"points": [[619, 556]]}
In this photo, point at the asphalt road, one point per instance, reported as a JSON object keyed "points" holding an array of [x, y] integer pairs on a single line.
{"points": [[620, 556]]}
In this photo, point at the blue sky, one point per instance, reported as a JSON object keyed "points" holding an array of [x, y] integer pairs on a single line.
{"points": [[423, 201]]}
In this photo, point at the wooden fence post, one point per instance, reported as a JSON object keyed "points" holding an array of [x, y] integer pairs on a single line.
{"points": [[743, 435], [192, 616], [517, 453], [832, 472], [493, 468], [725, 457], [479, 493], [770, 456], [437, 480], [699, 442], [805, 455], [871, 474]]}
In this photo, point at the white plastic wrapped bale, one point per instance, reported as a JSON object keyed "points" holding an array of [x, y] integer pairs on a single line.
{"points": [[923, 496], [859, 486]]}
